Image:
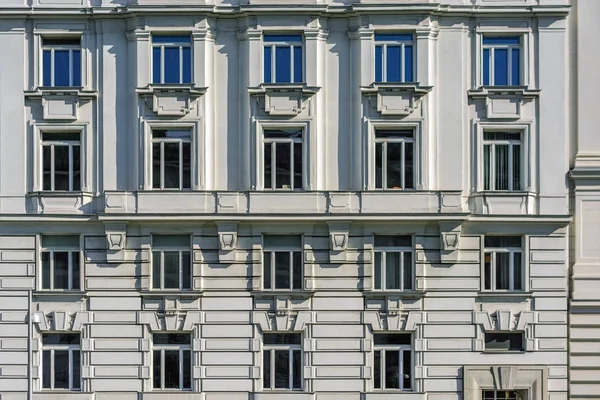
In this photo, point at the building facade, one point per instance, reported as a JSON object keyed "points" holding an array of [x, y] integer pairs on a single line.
{"points": [[324, 200]]}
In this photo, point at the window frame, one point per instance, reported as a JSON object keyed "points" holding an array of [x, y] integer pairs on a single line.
{"points": [[180, 275], [384, 142], [383, 250], [512, 251], [383, 348], [492, 48], [174, 44], [61, 249], [70, 48], [402, 43], [181, 348], [291, 348], [283, 249], [180, 142], [63, 143], [284, 43], [519, 393], [61, 347], [501, 350], [492, 160], [302, 142]]}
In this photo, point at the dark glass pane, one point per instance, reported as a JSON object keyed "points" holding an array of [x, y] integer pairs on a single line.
{"points": [[392, 270], [75, 268], [502, 175], [61, 270], [282, 369], [267, 270], [500, 67], [298, 170], [378, 63], [518, 271], [408, 166], [156, 165], [502, 241], [393, 63], [282, 165], [516, 67], [186, 65], [45, 270], [171, 267], [76, 370], [76, 67], [283, 64], [291, 133], [172, 65], [501, 40], [187, 369], [504, 341], [156, 269], [408, 64], [61, 68], [171, 369], [378, 267], [486, 167], [393, 241], [393, 37], [76, 168], [47, 167], [171, 338], [61, 167], [186, 270], [171, 39], [297, 270], [377, 370], [394, 165], [406, 370], [392, 338], [408, 272], [156, 363], [502, 271], [298, 64], [486, 67], [187, 165], [282, 270], [488, 395], [61, 369], [498, 135], [60, 338], [394, 133], [46, 369], [392, 370], [267, 64], [267, 369], [156, 65], [516, 177], [47, 68], [297, 369], [487, 273], [267, 164], [379, 166], [282, 338], [282, 38], [171, 165]]}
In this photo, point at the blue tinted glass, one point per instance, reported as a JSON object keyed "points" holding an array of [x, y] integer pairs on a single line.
{"points": [[47, 68], [393, 37], [171, 39], [516, 67], [283, 65], [282, 38], [500, 67], [61, 68], [408, 64], [76, 68], [268, 62], [187, 65], [393, 63], [156, 65], [378, 63], [502, 40], [297, 64], [486, 66], [171, 65]]}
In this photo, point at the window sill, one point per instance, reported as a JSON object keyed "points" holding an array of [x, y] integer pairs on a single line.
{"points": [[267, 293], [284, 87], [490, 294], [415, 294], [504, 352], [59, 193], [503, 193], [52, 293], [80, 92], [171, 88], [178, 293], [414, 87]]}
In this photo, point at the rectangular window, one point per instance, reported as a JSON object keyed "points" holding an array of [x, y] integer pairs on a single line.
{"points": [[282, 361], [171, 59], [283, 159], [502, 161], [283, 58], [61, 161], [60, 263], [282, 263], [394, 60], [61, 361], [503, 263], [171, 262], [394, 268], [503, 341], [61, 62], [501, 395], [501, 61], [394, 159], [171, 159], [172, 361], [393, 361]]}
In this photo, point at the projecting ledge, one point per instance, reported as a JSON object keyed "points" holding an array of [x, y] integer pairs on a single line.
{"points": [[54, 395], [393, 396]]}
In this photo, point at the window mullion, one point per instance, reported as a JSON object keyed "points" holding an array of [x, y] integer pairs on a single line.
{"points": [[509, 65], [162, 164], [70, 353], [384, 164], [51, 270], [162, 63], [273, 63], [273, 165], [402, 283], [162, 368], [180, 64], [70, 147], [510, 167], [491, 67], [402, 165], [384, 63], [180, 363], [291, 63], [290, 368], [402, 61], [291, 269], [180, 270], [70, 66], [180, 165], [383, 270], [273, 272], [400, 369], [162, 269], [511, 270], [52, 70], [52, 169], [493, 166], [272, 366], [292, 165], [51, 368], [69, 271]]}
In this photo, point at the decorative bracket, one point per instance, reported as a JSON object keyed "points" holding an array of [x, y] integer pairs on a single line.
{"points": [[227, 241], [450, 239], [338, 234], [61, 104], [171, 100], [283, 100], [61, 321], [171, 320], [504, 103], [116, 237], [393, 99]]}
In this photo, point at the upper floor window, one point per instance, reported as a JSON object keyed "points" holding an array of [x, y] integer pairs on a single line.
{"points": [[394, 263], [394, 60], [504, 341], [501, 60], [503, 265], [394, 159], [171, 262], [284, 159], [283, 58], [60, 262], [61, 62], [282, 361], [61, 161], [171, 159], [501, 395], [172, 361], [502, 161], [171, 59], [393, 361], [282, 258], [61, 361]]}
